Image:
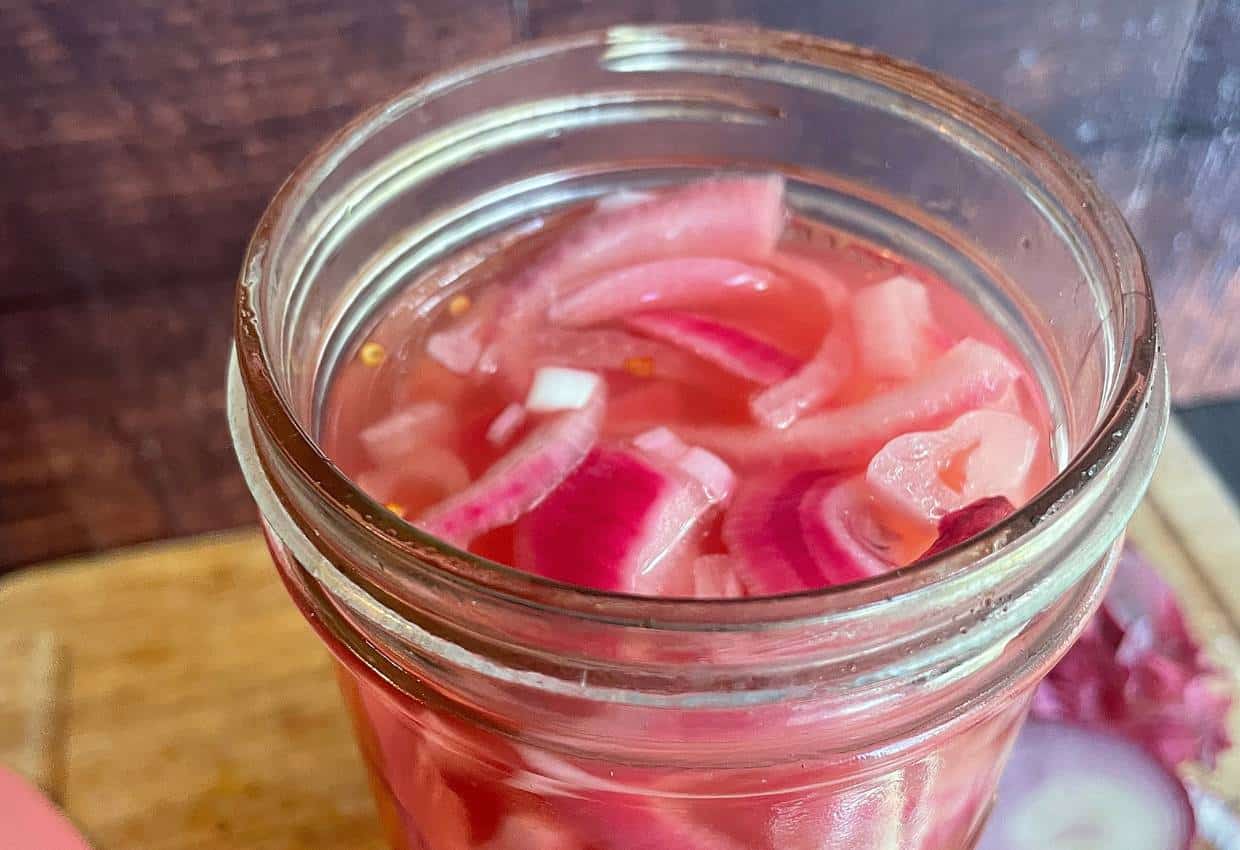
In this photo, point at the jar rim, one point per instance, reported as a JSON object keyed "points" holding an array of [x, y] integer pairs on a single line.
{"points": [[269, 409]]}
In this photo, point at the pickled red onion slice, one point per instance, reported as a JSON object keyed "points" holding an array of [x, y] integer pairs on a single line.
{"points": [[824, 374], [557, 388], [895, 330], [800, 530], [969, 375], [662, 284], [661, 442], [612, 350], [424, 466], [653, 826], [726, 217], [506, 423], [1009, 401], [989, 453], [855, 817], [612, 521], [718, 577], [730, 348], [763, 531], [714, 476], [841, 531], [429, 807], [968, 522], [529, 831], [397, 434], [830, 288], [519, 480], [458, 347], [811, 386]]}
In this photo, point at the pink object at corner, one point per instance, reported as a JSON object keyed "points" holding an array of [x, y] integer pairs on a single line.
{"points": [[31, 821]]}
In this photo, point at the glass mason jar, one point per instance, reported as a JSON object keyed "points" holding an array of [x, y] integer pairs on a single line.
{"points": [[501, 710]]}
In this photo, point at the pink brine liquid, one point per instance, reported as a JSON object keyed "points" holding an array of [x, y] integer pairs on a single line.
{"points": [[683, 393]]}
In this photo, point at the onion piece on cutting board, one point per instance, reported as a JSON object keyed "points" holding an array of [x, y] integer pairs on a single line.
{"points": [[1070, 788]]}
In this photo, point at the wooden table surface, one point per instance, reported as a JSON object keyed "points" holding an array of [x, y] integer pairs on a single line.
{"points": [[140, 139]]}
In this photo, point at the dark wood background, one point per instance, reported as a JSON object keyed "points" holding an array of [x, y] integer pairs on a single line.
{"points": [[140, 139]]}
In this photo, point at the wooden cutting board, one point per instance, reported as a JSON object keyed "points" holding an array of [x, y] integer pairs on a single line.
{"points": [[172, 697]]}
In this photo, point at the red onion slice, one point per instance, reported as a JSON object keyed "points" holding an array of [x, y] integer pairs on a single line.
{"points": [[529, 831], [968, 522], [1137, 670], [710, 472], [458, 347], [794, 531], [969, 375], [425, 466], [832, 290], [612, 522], [730, 348], [1067, 787], [841, 531], [763, 530], [662, 284], [811, 386], [824, 374], [506, 423], [731, 217], [989, 453], [895, 331], [394, 436], [559, 388], [519, 480], [851, 818], [718, 577], [653, 827], [611, 350], [662, 443], [434, 815]]}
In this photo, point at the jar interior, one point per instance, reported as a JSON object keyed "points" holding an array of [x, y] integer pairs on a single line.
{"points": [[440, 170]]}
